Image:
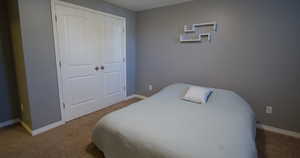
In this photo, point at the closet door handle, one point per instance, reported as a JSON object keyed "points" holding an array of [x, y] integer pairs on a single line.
{"points": [[96, 68], [102, 67]]}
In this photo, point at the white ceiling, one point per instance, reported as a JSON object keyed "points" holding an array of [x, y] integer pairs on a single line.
{"points": [[139, 5]]}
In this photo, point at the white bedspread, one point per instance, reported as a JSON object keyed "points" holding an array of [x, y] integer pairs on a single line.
{"points": [[165, 126]]}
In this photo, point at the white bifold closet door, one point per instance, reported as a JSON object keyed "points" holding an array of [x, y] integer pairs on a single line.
{"points": [[92, 53]]}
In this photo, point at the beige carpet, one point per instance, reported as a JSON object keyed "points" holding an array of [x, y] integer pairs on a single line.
{"points": [[72, 140]]}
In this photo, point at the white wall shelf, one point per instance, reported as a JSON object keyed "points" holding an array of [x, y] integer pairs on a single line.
{"points": [[192, 32], [197, 38]]}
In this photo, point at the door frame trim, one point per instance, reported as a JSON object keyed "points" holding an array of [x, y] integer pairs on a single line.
{"points": [[58, 56]]}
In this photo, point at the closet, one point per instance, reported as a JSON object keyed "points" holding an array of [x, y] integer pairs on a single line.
{"points": [[90, 49]]}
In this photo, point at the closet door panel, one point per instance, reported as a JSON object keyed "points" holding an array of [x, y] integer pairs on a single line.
{"points": [[78, 61], [113, 59], [91, 48]]}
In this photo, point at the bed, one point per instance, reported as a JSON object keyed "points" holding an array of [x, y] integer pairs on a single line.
{"points": [[165, 126]]}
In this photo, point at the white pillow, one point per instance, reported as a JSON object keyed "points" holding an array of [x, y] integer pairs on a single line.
{"points": [[197, 94]]}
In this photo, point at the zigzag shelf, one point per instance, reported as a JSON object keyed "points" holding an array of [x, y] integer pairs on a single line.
{"points": [[191, 34]]}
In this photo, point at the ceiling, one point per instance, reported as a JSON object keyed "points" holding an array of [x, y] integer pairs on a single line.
{"points": [[139, 5]]}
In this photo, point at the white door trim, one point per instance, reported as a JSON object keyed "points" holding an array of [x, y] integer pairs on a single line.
{"points": [[57, 57], [57, 53]]}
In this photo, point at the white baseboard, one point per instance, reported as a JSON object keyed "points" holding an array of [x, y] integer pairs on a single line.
{"points": [[9, 122], [46, 128], [42, 129], [260, 126], [136, 96], [278, 130], [59, 123]]}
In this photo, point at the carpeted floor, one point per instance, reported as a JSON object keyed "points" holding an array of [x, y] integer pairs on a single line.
{"points": [[72, 140]]}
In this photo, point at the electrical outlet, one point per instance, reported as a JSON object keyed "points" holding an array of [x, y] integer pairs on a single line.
{"points": [[269, 109], [22, 107], [150, 87]]}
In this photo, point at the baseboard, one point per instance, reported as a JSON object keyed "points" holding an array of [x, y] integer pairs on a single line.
{"points": [[59, 123], [46, 128], [42, 129], [260, 126], [278, 130], [9, 122], [136, 96]]}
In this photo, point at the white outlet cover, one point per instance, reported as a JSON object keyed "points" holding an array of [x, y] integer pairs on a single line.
{"points": [[150, 87], [269, 109]]}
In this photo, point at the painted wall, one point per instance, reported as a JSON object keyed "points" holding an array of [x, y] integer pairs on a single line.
{"points": [[8, 87], [40, 65], [255, 53], [39, 56]]}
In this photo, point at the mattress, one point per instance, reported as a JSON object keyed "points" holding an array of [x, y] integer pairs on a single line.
{"points": [[165, 126]]}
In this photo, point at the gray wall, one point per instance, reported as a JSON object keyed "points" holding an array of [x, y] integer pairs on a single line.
{"points": [[39, 56], [255, 53], [40, 65], [8, 86]]}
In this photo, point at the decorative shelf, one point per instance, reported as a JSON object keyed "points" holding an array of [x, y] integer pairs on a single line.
{"points": [[192, 33], [194, 38], [192, 28]]}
